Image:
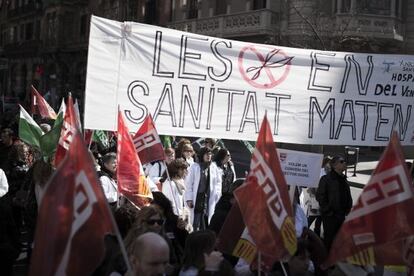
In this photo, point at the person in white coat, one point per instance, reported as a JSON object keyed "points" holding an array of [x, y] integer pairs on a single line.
{"points": [[107, 177], [4, 185], [174, 188], [203, 189]]}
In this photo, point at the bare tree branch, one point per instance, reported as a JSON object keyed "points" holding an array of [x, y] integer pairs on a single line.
{"points": [[310, 25]]}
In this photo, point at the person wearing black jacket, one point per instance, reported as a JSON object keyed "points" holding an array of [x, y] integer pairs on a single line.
{"points": [[334, 197]]}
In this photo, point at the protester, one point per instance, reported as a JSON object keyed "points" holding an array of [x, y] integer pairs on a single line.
{"points": [[174, 187], [125, 217], [35, 185], [7, 139], [175, 231], [149, 219], [158, 168], [203, 189], [311, 205], [297, 265], [107, 177], [149, 255], [188, 154], [4, 185], [200, 257], [179, 147], [223, 207], [223, 162], [334, 197]]}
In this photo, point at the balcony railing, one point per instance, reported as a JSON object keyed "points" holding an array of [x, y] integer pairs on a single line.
{"points": [[373, 26], [24, 10], [258, 22]]}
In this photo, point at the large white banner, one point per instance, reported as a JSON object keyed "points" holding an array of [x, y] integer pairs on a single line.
{"points": [[195, 85]]}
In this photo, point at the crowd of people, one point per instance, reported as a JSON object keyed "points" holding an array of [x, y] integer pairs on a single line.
{"points": [[177, 233]]}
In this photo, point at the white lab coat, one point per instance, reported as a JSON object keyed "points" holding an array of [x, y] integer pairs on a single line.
{"points": [[170, 190], [191, 185], [4, 185]]}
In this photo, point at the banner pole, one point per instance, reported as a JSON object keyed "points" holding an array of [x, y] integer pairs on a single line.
{"points": [[90, 141], [259, 262], [283, 268]]}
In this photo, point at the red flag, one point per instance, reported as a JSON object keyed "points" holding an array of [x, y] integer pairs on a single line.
{"points": [[148, 143], [73, 219], [233, 238], [132, 182], [378, 225], [43, 108], [87, 135], [264, 201], [68, 129]]}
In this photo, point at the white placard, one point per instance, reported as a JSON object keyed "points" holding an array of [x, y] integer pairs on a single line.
{"points": [[300, 168]]}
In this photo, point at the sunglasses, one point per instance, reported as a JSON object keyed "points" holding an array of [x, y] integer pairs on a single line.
{"points": [[155, 221]]}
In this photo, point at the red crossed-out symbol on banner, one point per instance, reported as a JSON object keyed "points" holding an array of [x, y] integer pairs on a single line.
{"points": [[267, 71]]}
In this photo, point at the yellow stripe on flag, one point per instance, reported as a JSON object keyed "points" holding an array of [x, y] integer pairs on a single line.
{"points": [[245, 249], [364, 257], [289, 235]]}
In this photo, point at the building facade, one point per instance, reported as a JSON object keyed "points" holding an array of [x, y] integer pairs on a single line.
{"points": [[44, 42]]}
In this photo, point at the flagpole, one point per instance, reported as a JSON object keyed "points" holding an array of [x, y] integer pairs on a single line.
{"points": [[90, 141], [120, 240], [259, 261], [131, 202], [283, 268]]}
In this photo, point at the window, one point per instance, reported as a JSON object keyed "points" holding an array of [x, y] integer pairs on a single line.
{"points": [[21, 36], [151, 12], [192, 9], [37, 30], [221, 7], [83, 24], [346, 6], [378, 7], [259, 4], [29, 31]]}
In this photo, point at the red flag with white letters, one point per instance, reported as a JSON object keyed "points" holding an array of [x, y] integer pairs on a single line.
{"points": [[73, 219], [132, 182], [264, 201], [148, 143], [69, 127], [40, 105], [379, 226]]}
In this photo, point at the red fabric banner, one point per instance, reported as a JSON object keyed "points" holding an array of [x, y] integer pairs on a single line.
{"points": [[43, 108], [132, 182], [73, 220], [69, 127], [377, 228], [264, 201], [148, 143]]}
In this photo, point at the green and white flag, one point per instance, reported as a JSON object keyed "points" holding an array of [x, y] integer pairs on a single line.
{"points": [[49, 141], [29, 130], [100, 137]]}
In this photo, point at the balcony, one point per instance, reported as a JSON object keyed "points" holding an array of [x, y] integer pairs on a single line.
{"points": [[22, 47], [28, 9], [251, 23], [372, 26]]}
